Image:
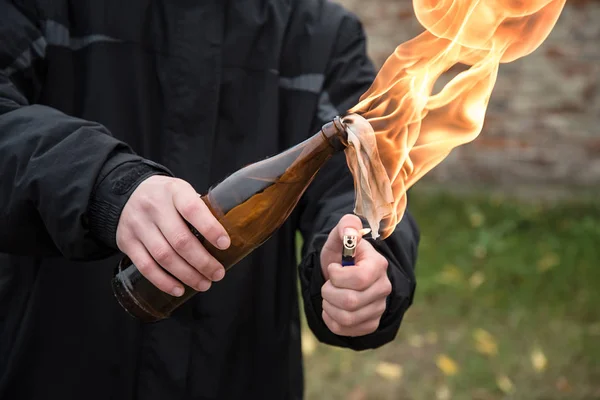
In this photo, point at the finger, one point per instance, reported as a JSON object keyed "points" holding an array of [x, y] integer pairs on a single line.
{"points": [[144, 262], [360, 276], [352, 300], [194, 210], [189, 247], [349, 319], [349, 224], [162, 252], [363, 329]]}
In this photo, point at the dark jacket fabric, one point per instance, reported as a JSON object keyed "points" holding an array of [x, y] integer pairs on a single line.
{"points": [[96, 96]]}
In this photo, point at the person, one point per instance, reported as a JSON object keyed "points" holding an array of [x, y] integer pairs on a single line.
{"points": [[114, 115]]}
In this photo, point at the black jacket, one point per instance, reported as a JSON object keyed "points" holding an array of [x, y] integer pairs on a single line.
{"points": [[92, 90]]}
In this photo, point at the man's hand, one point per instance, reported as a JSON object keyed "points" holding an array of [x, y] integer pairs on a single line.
{"points": [[354, 297], [152, 232]]}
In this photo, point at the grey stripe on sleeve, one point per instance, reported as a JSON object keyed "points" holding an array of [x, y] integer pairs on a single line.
{"points": [[54, 34], [307, 82]]}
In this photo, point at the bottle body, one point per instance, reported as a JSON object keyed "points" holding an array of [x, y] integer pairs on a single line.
{"points": [[251, 204]]}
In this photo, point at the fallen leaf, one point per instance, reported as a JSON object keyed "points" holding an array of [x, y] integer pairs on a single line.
{"points": [[538, 360], [431, 337], [563, 385], [451, 274], [448, 366], [485, 342], [476, 219], [416, 341], [389, 371], [443, 393], [309, 344], [548, 261], [476, 279], [505, 384], [496, 199]]}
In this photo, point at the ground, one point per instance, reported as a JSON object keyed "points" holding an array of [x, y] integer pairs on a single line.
{"points": [[507, 307]]}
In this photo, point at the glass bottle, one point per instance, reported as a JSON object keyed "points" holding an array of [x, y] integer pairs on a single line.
{"points": [[251, 204]]}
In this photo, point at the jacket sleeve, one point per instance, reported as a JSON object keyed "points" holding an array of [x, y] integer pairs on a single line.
{"points": [[331, 195], [64, 180]]}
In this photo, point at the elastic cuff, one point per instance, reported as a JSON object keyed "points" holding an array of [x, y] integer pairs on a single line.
{"points": [[120, 177], [317, 280], [311, 262]]}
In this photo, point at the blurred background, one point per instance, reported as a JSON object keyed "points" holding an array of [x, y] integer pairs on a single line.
{"points": [[508, 277]]}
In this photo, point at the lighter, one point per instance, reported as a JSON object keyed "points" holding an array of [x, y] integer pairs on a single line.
{"points": [[349, 250], [349, 247]]}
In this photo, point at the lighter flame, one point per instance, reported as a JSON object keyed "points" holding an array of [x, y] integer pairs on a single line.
{"points": [[416, 129]]}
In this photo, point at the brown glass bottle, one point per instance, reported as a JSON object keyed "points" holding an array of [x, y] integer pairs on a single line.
{"points": [[251, 204]]}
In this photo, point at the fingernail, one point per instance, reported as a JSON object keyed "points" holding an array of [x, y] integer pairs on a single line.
{"points": [[223, 242], [204, 286], [177, 291], [217, 276], [350, 232], [365, 231]]}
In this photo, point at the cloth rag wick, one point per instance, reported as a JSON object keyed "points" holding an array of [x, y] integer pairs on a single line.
{"points": [[349, 247]]}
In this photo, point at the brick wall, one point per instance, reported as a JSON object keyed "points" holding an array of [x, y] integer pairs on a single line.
{"points": [[542, 128]]}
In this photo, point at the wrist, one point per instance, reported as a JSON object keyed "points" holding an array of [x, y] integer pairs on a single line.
{"points": [[121, 175]]}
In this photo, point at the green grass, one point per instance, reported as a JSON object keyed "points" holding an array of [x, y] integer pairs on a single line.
{"points": [[527, 275]]}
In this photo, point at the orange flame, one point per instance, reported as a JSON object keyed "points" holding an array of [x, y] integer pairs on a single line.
{"points": [[416, 129]]}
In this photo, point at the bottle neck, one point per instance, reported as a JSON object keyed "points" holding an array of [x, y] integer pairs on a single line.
{"points": [[334, 133], [297, 165]]}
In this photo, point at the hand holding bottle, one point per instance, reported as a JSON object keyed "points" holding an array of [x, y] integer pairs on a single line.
{"points": [[354, 297], [152, 232], [252, 203]]}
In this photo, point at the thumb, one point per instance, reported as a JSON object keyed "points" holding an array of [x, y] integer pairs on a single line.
{"points": [[349, 225]]}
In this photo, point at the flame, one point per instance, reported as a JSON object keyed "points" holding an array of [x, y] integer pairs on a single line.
{"points": [[416, 129]]}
